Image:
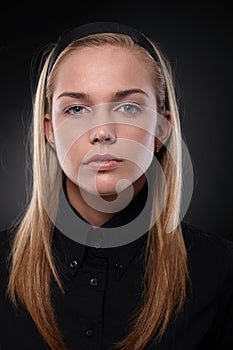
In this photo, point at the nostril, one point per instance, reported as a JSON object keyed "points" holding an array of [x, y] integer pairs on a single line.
{"points": [[103, 137]]}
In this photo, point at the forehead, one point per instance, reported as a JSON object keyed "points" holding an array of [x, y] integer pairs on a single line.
{"points": [[104, 68]]}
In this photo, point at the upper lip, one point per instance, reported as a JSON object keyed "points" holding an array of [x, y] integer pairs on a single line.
{"points": [[102, 157]]}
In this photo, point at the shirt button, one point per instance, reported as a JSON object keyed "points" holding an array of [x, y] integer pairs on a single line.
{"points": [[89, 332], [119, 266], [73, 264], [97, 245], [94, 282]]}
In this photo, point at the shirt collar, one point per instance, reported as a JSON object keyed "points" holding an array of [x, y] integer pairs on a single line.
{"points": [[70, 254]]}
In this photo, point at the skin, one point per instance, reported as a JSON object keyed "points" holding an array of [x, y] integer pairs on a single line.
{"points": [[99, 73]]}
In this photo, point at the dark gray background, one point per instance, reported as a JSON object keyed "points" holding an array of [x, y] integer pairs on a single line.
{"points": [[197, 39]]}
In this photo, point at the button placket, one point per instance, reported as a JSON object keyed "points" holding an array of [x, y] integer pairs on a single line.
{"points": [[95, 238]]}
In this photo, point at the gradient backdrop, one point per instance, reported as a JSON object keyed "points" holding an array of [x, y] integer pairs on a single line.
{"points": [[198, 42]]}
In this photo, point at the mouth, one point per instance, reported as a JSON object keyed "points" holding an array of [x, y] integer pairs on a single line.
{"points": [[103, 162]]}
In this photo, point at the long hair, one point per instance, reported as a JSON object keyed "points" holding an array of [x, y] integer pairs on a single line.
{"points": [[31, 259]]}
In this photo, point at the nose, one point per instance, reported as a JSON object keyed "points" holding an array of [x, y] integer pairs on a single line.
{"points": [[103, 134]]}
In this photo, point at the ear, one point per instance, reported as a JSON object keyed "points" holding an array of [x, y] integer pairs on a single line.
{"points": [[163, 130], [49, 132]]}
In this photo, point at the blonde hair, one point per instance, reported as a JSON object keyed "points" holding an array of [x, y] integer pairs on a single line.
{"points": [[32, 261]]}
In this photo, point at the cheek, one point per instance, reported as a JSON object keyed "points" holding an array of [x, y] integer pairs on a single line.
{"points": [[137, 145], [145, 150], [70, 139], [138, 136], [146, 139], [71, 150]]}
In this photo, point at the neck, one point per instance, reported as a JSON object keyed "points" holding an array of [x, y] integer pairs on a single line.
{"points": [[95, 217]]}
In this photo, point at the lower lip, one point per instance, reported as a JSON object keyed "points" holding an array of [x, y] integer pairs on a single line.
{"points": [[104, 165]]}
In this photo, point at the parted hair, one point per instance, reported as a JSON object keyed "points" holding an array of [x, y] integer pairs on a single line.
{"points": [[32, 264]]}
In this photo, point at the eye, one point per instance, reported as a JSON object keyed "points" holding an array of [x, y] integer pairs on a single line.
{"points": [[130, 109], [76, 110]]}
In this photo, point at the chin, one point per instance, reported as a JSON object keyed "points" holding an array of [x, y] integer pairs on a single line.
{"points": [[103, 190], [107, 189]]}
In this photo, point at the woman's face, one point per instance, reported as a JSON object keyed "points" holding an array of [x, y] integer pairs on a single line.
{"points": [[102, 130]]}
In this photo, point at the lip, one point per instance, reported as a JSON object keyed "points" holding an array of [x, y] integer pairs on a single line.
{"points": [[102, 157], [103, 162]]}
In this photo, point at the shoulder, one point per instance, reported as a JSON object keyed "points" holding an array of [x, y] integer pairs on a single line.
{"points": [[210, 256], [197, 238]]}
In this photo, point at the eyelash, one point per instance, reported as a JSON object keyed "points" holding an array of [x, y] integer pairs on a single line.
{"points": [[69, 109], [135, 106], [130, 114]]}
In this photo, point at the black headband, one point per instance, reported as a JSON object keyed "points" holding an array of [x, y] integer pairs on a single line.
{"points": [[102, 27]]}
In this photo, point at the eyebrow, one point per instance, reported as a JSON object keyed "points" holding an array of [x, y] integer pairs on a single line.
{"points": [[117, 95], [125, 93]]}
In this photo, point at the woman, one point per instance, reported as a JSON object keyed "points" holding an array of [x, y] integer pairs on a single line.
{"points": [[100, 259]]}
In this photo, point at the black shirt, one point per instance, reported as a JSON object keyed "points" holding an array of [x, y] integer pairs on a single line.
{"points": [[103, 287]]}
